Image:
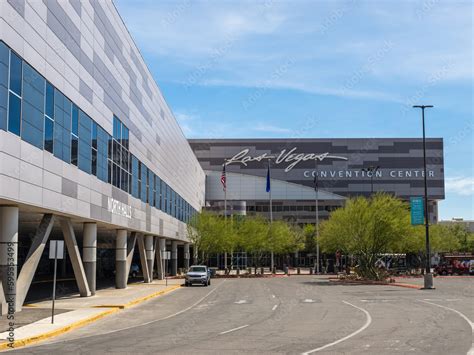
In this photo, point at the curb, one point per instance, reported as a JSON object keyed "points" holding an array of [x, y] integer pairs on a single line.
{"points": [[111, 309], [396, 284], [65, 329], [139, 300]]}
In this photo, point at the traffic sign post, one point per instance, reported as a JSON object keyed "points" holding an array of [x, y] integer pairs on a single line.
{"points": [[166, 256], [56, 251], [416, 211]]}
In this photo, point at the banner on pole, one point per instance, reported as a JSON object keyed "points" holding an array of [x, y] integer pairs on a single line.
{"points": [[417, 211]]}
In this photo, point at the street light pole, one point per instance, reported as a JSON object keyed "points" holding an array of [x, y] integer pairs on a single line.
{"points": [[371, 170], [316, 189], [428, 279]]}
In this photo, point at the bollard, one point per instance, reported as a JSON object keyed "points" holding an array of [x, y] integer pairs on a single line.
{"points": [[298, 271], [274, 270], [255, 270], [249, 271], [238, 271], [311, 271]]}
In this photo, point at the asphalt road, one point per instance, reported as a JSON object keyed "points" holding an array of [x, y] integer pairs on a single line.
{"points": [[294, 315]]}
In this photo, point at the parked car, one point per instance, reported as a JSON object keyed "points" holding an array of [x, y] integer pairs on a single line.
{"points": [[471, 267], [199, 274], [134, 270]]}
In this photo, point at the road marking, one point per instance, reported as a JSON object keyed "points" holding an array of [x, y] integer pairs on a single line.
{"points": [[367, 323], [142, 324], [471, 350], [308, 300], [274, 307], [241, 302], [273, 296], [234, 329]]}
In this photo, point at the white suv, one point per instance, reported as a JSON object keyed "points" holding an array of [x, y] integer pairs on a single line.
{"points": [[198, 274]]}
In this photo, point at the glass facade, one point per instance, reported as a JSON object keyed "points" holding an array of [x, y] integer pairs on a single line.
{"points": [[41, 115]]}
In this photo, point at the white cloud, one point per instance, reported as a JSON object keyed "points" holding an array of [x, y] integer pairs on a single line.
{"points": [[460, 185]]}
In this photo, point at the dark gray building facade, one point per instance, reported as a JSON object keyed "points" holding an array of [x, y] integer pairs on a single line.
{"points": [[339, 164]]}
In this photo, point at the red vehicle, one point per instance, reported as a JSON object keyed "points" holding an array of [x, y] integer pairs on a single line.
{"points": [[453, 265]]}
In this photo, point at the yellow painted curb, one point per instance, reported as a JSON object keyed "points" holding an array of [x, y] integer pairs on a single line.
{"points": [[67, 328], [139, 300], [81, 323]]}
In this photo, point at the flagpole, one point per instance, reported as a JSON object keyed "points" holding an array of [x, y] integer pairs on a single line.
{"points": [[225, 212], [272, 256], [316, 188]]}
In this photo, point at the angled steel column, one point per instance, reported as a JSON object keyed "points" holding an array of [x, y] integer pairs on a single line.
{"points": [[33, 258], [89, 253], [150, 255], [174, 258], [121, 276], [75, 256], [9, 254], [160, 263], [130, 249], [143, 262]]}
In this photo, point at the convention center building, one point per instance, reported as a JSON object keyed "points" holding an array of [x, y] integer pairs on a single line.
{"points": [[90, 152], [301, 170]]}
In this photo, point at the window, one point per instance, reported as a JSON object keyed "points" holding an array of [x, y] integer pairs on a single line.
{"points": [[15, 73], [135, 177], [14, 114], [4, 68], [75, 120], [144, 191], [32, 116], [49, 104], [62, 127], [94, 149], [48, 134], [84, 156]]}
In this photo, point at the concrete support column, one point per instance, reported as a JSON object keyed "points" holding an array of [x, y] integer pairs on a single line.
{"points": [[160, 263], [174, 258], [8, 255], [25, 277], [121, 276], [149, 252], [89, 254], [186, 256]]}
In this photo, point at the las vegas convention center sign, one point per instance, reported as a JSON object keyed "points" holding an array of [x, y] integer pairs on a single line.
{"points": [[289, 159]]}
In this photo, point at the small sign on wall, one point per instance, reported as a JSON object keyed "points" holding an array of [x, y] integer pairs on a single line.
{"points": [[56, 245]]}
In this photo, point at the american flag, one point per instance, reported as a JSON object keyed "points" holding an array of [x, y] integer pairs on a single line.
{"points": [[223, 178]]}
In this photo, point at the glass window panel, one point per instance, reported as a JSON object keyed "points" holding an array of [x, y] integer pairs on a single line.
{"points": [[94, 162], [117, 132], [32, 135], [48, 134], [109, 171], [124, 180], [125, 135], [14, 114], [15, 73], [75, 120], [124, 159], [74, 148], [49, 102], [94, 135], [117, 152]]}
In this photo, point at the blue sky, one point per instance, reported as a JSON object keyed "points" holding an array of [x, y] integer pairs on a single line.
{"points": [[317, 69]]}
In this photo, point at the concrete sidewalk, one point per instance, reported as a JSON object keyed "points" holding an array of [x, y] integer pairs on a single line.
{"points": [[79, 311]]}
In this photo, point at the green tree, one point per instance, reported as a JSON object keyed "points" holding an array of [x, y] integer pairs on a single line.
{"points": [[367, 228]]}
